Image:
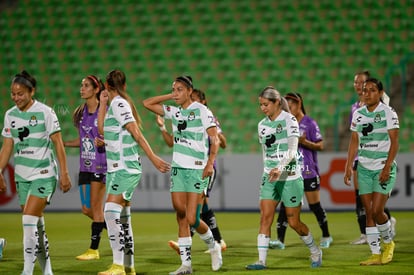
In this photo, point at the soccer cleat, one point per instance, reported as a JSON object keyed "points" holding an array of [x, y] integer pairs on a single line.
{"points": [[90, 254], [216, 259], [222, 244], [2, 246], [374, 259], [175, 246], [393, 224], [361, 240], [316, 259], [276, 244], [259, 265], [130, 271], [325, 242], [388, 253], [182, 270], [114, 270]]}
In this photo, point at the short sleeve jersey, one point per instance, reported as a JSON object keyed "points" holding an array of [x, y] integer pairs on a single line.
{"points": [[190, 149], [31, 130], [310, 128], [273, 137], [372, 129], [92, 158], [122, 152]]}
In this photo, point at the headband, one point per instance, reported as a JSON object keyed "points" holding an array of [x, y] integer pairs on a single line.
{"points": [[187, 80], [22, 80], [295, 98], [94, 79]]}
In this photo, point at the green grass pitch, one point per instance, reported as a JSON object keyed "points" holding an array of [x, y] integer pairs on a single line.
{"points": [[69, 236]]}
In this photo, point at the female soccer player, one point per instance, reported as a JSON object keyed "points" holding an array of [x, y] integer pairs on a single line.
{"points": [[120, 125], [207, 214], [374, 139], [92, 161], [282, 180], [30, 129], [310, 141], [192, 165], [359, 80]]}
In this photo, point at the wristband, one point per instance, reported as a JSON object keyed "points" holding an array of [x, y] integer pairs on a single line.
{"points": [[162, 128]]}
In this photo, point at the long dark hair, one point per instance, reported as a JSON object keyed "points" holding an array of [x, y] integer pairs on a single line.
{"points": [[78, 113], [116, 81], [297, 98]]}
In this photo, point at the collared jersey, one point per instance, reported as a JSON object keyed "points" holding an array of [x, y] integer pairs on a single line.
{"points": [[31, 130], [273, 137], [121, 148], [190, 149], [372, 129]]}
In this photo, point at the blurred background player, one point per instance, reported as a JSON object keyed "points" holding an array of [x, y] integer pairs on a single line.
{"points": [[92, 161], [207, 214]]}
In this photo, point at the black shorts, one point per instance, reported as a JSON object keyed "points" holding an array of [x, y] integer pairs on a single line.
{"points": [[312, 184], [210, 184], [88, 177], [354, 167]]}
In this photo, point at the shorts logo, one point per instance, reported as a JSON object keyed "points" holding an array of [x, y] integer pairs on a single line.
{"points": [[41, 190], [115, 187], [197, 185], [293, 199]]}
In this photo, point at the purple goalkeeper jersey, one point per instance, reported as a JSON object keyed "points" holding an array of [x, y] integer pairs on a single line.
{"points": [[92, 158], [310, 128]]}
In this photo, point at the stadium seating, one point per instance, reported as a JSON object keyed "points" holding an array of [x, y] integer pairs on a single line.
{"points": [[231, 48]]}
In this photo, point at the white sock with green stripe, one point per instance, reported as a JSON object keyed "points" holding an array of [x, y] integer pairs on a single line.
{"points": [[112, 213], [30, 242]]}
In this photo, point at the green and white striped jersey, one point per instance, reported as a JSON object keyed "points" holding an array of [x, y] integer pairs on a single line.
{"points": [[273, 136], [189, 126], [122, 151], [30, 130], [372, 129]]}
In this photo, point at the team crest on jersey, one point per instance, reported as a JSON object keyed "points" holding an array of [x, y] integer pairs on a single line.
{"points": [[377, 118], [33, 121], [279, 129], [191, 116]]}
